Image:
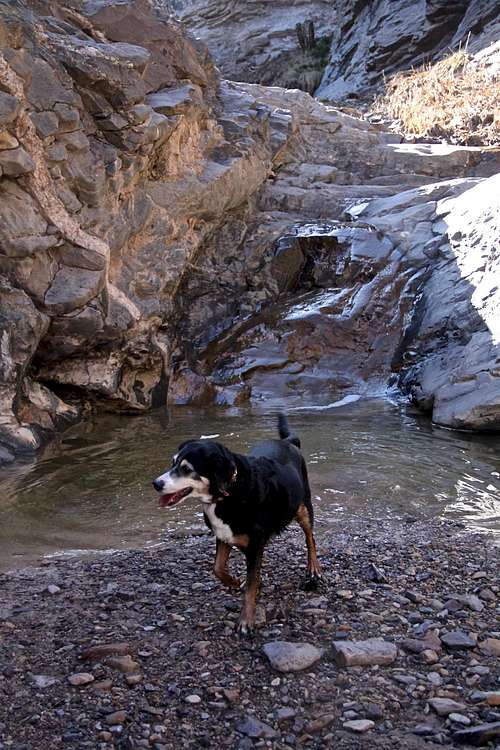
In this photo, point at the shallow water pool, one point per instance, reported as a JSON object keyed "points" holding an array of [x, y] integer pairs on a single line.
{"points": [[91, 490]]}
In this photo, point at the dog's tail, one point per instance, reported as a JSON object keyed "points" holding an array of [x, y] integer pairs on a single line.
{"points": [[285, 432]]}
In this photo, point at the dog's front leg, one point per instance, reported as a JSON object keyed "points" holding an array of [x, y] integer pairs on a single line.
{"points": [[222, 553], [254, 563]]}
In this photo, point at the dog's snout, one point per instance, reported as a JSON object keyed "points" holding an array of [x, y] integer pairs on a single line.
{"points": [[158, 484]]}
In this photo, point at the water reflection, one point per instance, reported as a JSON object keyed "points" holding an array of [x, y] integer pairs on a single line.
{"points": [[371, 458]]}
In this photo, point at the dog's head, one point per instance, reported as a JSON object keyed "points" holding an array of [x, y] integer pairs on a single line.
{"points": [[200, 468]]}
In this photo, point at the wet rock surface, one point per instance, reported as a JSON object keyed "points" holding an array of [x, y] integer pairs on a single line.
{"points": [[198, 685]]}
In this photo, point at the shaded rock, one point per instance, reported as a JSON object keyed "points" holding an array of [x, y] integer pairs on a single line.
{"points": [[364, 653], [478, 735], [291, 657]]}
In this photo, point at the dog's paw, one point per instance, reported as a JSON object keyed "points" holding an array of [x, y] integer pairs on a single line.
{"points": [[312, 582], [245, 629], [234, 583]]}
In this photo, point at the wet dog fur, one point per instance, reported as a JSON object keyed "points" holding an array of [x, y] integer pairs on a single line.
{"points": [[246, 500]]}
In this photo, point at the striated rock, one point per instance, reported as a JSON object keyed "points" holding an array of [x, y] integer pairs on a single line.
{"points": [[291, 657], [364, 653], [374, 39]]}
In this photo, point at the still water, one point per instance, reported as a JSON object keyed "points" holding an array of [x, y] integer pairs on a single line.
{"points": [[369, 458]]}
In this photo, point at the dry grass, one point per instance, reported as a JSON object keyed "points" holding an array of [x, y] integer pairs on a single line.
{"points": [[455, 99]]}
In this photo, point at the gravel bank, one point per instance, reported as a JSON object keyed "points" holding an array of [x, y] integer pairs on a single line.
{"points": [[137, 649]]}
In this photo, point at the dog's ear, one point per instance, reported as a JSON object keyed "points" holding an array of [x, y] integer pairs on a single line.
{"points": [[223, 473]]}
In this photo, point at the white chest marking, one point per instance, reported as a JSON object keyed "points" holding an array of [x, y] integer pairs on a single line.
{"points": [[221, 530]]}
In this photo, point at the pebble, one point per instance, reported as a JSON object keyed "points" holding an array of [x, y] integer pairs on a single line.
{"points": [[445, 706], [80, 678], [105, 649], [133, 679], [459, 719], [53, 589], [491, 646], [359, 725], [423, 730], [456, 640], [317, 725], [117, 717], [429, 656], [435, 679], [364, 653], [43, 680], [285, 713], [193, 699], [252, 727], [291, 657], [471, 601], [493, 698], [123, 664]]}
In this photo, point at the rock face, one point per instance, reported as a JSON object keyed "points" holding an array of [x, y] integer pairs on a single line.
{"points": [[261, 33], [150, 213], [375, 38]]}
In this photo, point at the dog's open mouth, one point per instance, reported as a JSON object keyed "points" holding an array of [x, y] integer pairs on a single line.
{"points": [[167, 501]]}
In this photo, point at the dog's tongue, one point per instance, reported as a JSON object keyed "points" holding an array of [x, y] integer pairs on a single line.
{"points": [[166, 501]]}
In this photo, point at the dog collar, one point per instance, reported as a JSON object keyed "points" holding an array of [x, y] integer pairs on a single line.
{"points": [[231, 481]]}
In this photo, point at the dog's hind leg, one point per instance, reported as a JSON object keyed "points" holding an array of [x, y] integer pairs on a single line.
{"points": [[313, 567], [254, 564], [222, 553]]}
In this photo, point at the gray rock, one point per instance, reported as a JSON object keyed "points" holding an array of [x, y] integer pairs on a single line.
{"points": [[16, 162], [291, 657], [445, 706], [252, 727], [43, 680], [457, 640], [359, 726], [459, 719], [364, 653], [9, 108]]}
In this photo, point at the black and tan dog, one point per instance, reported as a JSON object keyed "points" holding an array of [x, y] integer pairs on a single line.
{"points": [[246, 500]]}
